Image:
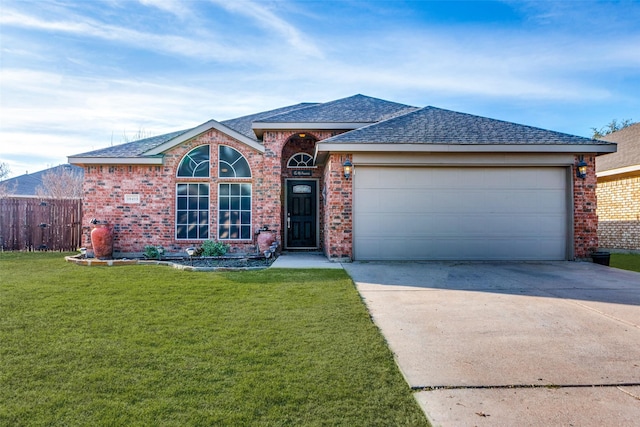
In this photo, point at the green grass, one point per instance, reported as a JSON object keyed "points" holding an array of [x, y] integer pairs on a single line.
{"points": [[150, 345], [625, 261]]}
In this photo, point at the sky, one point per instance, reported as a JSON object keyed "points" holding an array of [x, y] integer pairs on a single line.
{"points": [[80, 75]]}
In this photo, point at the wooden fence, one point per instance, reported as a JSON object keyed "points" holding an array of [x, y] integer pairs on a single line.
{"points": [[30, 224]]}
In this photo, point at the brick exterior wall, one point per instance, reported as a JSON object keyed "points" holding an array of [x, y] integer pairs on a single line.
{"points": [[619, 211], [152, 221], [338, 214], [585, 218]]}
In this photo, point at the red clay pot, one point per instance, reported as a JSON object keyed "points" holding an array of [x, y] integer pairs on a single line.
{"points": [[102, 241], [265, 239]]}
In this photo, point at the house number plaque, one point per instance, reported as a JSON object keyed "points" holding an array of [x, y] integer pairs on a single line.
{"points": [[132, 198], [301, 173]]}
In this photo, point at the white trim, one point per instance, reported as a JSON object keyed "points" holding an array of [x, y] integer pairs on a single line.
{"points": [[175, 212], [234, 170], [627, 169], [464, 148], [187, 154], [260, 127], [217, 234], [469, 159], [146, 159], [77, 160], [211, 124], [301, 167], [308, 125]]}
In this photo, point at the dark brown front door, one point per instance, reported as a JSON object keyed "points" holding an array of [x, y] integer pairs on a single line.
{"points": [[301, 214]]}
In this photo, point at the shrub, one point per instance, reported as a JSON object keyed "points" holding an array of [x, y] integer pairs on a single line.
{"points": [[151, 252], [211, 248]]}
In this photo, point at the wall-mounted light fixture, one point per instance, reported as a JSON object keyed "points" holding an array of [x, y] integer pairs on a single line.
{"points": [[347, 168], [581, 168]]}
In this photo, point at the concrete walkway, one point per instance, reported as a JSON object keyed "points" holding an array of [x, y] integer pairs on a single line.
{"points": [[512, 344], [304, 260]]}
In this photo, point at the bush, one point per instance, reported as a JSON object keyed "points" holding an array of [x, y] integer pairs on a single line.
{"points": [[211, 248], [151, 252]]}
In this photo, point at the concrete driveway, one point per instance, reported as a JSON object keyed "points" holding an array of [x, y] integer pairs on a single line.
{"points": [[505, 344]]}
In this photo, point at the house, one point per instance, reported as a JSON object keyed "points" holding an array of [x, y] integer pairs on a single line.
{"points": [[618, 191], [27, 185], [357, 178]]}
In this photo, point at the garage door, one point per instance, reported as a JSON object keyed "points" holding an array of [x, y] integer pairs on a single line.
{"points": [[461, 213]]}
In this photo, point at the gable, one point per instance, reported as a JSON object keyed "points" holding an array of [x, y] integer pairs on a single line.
{"points": [[150, 151]]}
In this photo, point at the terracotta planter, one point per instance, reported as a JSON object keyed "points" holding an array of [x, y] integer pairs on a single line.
{"points": [[102, 241], [265, 239]]}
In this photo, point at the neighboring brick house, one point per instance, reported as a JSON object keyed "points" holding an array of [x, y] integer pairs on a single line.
{"points": [[425, 183], [619, 191]]}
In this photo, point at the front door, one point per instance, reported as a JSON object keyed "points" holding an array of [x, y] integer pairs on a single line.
{"points": [[301, 214]]}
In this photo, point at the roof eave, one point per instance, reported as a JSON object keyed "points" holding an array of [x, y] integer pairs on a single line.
{"points": [[465, 148], [618, 171], [80, 160], [211, 124], [260, 127]]}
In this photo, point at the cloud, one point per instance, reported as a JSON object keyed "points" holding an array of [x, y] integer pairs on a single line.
{"points": [[267, 19], [175, 7], [76, 76], [204, 46]]}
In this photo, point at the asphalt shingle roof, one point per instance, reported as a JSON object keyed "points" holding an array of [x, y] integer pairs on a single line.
{"points": [[384, 122], [628, 154], [138, 148], [243, 124], [134, 148], [431, 125], [354, 109]]}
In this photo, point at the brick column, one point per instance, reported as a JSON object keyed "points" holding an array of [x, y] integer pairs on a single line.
{"points": [[585, 218], [338, 214]]}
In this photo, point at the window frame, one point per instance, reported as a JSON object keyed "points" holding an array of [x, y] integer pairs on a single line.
{"points": [[188, 211], [188, 157], [290, 166], [239, 212], [231, 165]]}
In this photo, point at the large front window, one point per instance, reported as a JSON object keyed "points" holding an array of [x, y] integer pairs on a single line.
{"points": [[234, 198], [192, 213], [234, 210]]}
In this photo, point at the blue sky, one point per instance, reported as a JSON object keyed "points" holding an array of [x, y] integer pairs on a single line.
{"points": [[82, 75]]}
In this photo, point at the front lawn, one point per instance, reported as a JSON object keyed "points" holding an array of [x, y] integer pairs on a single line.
{"points": [[150, 345], [625, 261]]}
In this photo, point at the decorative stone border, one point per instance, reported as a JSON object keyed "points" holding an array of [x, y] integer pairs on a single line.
{"points": [[94, 262]]}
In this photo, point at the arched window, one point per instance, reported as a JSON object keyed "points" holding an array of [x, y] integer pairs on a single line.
{"points": [[234, 198], [300, 160], [192, 198], [195, 164], [232, 164]]}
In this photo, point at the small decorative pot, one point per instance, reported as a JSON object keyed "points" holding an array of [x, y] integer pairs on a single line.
{"points": [[102, 241]]}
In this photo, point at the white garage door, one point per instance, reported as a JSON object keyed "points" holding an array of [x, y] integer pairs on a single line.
{"points": [[460, 213]]}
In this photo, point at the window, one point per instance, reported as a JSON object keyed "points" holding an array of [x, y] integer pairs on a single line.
{"points": [[192, 211], [232, 164], [195, 164], [192, 199], [300, 160], [234, 210]]}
